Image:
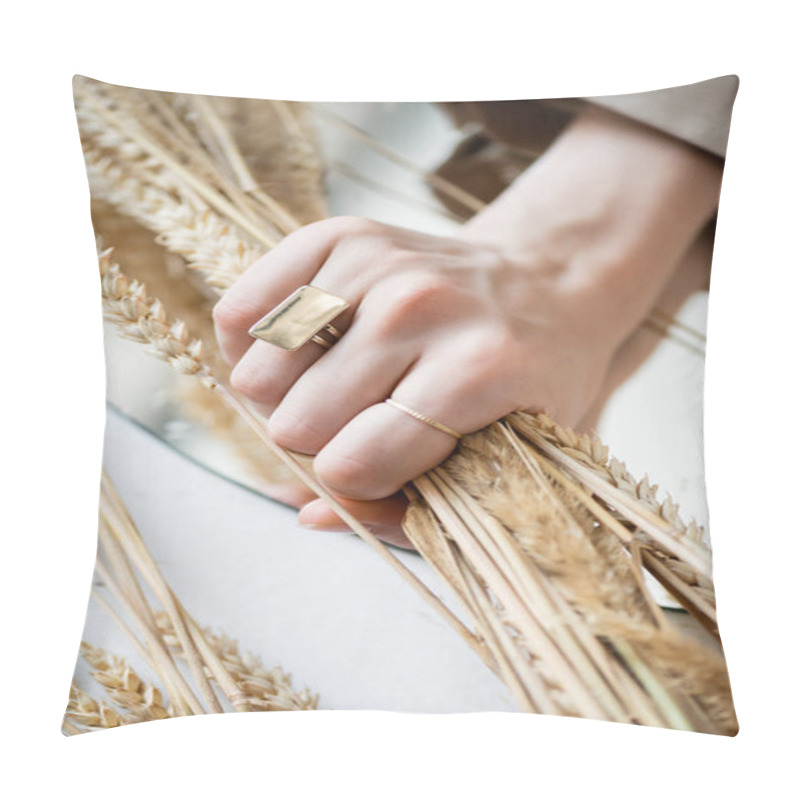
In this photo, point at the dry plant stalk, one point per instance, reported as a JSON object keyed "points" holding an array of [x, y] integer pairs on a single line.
{"points": [[141, 318], [131, 188], [542, 537], [164, 634], [559, 568]]}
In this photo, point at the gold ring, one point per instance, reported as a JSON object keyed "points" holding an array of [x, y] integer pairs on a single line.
{"points": [[320, 341], [301, 316], [422, 418]]}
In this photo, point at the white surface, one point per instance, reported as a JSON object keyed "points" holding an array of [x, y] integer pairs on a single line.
{"points": [[323, 606]]}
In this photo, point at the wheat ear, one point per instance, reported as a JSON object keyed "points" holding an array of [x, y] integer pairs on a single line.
{"points": [[142, 701], [141, 318], [166, 634], [184, 224], [261, 689]]}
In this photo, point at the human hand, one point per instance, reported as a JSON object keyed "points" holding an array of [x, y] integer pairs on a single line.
{"points": [[523, 311], [384, 517]]}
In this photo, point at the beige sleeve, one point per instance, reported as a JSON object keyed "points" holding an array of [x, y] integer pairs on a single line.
{"points": [[698, 113]]}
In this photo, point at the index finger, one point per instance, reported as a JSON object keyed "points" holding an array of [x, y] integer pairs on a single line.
{"points": [[270, 279]]}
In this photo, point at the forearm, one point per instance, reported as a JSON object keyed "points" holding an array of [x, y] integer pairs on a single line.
{"points": [[613, 205]]}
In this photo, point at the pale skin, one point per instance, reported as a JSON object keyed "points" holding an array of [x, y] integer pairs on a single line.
{"points": [[534, 306]]}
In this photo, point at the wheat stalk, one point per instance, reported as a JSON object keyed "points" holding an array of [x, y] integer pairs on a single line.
{"points": [[672, 550], [142, 701], [261, 689], [141, 318], [183, 223], [586, 562], [165, 634]]}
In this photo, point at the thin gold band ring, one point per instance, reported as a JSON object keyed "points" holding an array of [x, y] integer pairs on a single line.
{"points": [[322, 342], [423, 418]]}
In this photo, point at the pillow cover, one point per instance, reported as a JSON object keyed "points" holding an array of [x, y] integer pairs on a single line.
{"points": [[411, 322]]}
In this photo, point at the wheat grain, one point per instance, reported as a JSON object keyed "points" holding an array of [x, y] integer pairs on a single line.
{"points": [[184, 224], [142, 319], [86, 713], [262, 689], [142, 701]]}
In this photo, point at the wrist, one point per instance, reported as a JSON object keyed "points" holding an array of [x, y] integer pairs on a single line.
{"points": [[611, 207]]}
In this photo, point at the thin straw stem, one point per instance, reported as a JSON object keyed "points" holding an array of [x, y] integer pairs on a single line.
{"points": [[534, 696], [431, 178], [355, 524], [215, 199], [536, 621], [130, 589], [134, 548], [567, 630], [156, 660], [234, 158], [154, 644]]}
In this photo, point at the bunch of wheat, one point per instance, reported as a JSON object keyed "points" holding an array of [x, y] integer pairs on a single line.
{"points": [[219, 676], [543, 538]]}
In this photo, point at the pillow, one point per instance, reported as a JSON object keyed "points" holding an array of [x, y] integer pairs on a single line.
{"points": [[416, 323]]}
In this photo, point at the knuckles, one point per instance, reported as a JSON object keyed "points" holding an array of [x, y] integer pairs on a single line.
{"points": [[411, 300], [231, 316], [342, 227], [295, 432], [350, 476], [496, 349], [255, 384]]}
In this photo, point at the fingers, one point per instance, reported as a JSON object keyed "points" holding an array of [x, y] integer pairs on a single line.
{"points": [[310, 393], [265, 372], [407, 339], [379, 451], [381, 517], [356, 373], [382, 448], [272, 278]]}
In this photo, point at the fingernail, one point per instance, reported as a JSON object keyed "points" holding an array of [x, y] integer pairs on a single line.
{"points": [[333, 527], [318, 516]]}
